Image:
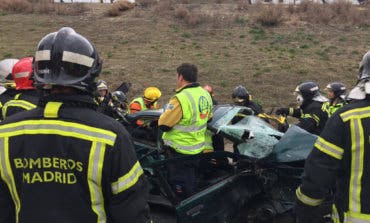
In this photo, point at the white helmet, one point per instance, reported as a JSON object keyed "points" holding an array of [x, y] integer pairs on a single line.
{"points": [[6, 67]]}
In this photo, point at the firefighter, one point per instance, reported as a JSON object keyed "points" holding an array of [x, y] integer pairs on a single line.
{"points": [[184, 123], [7, 86], [65, 162], [310, 114], [147, 101], [120, 104], [26, 97], [336, 92], [104, 98], [241, 97], [340, 159]]}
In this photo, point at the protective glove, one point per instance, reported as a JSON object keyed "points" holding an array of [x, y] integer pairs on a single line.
{"points": [[305, 213], [282, 111]]}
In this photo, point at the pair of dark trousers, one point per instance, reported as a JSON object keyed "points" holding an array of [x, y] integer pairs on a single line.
{"points": [[182, 174]]}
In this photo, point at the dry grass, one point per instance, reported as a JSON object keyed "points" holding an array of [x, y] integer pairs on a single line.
{"points": [[268, 15], [16, 6], [41, 7], [338, 13], [119, 6], [145, 45]]}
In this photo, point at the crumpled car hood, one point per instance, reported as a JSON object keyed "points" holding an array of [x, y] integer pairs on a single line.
{"points": [[257, 139]]}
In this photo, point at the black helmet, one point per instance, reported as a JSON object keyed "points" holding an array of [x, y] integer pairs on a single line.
{"points": [[119, 97], [308, 90], [364, 71], [338, 88], [66, 58], [240, 94]]}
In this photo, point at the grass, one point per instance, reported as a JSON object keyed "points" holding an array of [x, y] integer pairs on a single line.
{"points": [[145, 50]]}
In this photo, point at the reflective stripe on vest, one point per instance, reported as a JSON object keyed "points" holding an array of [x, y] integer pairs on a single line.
{"points": [[331, 109], [354, 117], [208, 141], [189, 135], [140, 100]]}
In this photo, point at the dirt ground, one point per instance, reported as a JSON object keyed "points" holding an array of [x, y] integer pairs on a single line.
{"points": [[146, 44]]}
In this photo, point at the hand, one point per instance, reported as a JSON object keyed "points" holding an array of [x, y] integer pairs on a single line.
{"points": [[282, 111]]}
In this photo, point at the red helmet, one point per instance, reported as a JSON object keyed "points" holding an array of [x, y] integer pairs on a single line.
{"points": [[22, 72]]}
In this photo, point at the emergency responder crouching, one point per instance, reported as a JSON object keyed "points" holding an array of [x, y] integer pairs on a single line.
{"points": [[184, 123], [340, 159], [309, 113], [65, 162], [336, 93], [148, 101], [26, 97]]}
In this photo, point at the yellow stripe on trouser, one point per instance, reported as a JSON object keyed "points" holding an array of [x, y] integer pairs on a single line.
{"points": [[127, 180], [94, 176], [306, 199], [7, 174], [357, 138]]}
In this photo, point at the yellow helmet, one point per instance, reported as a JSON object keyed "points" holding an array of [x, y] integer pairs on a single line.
{"points": [[152, 94]]}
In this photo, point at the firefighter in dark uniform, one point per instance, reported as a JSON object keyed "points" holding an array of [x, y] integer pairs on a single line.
{"points": [[7, 85], [336, 93], [64, 161], [26, 97], [310, 114], [241, 97], [340, 159]]}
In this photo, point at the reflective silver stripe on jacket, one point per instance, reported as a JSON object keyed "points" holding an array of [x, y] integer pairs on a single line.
{"points": [[192, 128], [356, 164], [95, 168], [128, 180], [6, 174], [190, 148], [55, 127]]}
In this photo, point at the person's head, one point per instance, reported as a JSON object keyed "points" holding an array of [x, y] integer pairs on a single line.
{"points": [[102, 88], [119, 99], [335, 90], [241, 95], [364, 69], [186, 73], [22, 73], [308, 91], [6, 67], [151, 95], [208, 88], [67, 59]]}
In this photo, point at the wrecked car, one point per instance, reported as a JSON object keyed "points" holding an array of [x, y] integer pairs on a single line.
{"points": [[255, 182]]}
